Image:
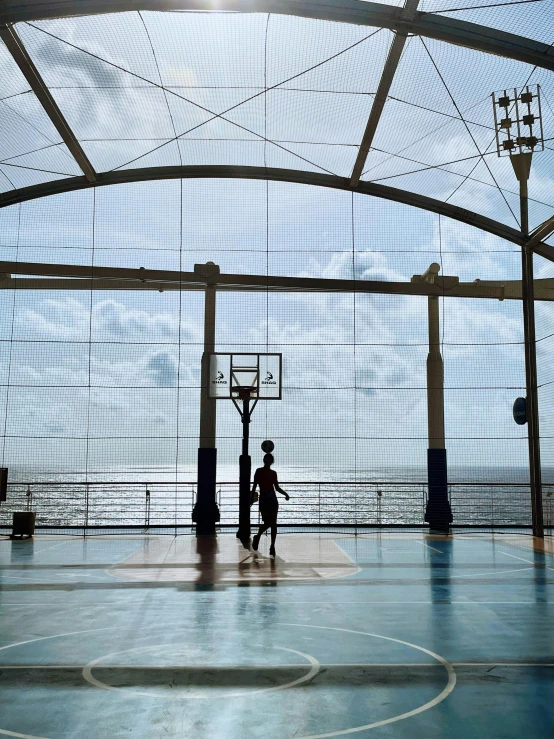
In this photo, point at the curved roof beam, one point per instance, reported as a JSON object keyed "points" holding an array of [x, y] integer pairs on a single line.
{"points": [[357, 12], [302, 177]]}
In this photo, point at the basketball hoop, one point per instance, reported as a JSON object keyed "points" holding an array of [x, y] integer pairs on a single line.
{"points": [[243, 392], [245, 379]]}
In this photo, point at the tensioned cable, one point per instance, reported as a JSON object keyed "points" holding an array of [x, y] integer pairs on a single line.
{"points": [[8, 378], [408, 344], [442, 167], [221, 138], [180, 304], [272, 251], [531, 73], [319, 91], [483, 7], [266, 211], [32, 151], [354, 327], [468, 128], [89, 369], [162, 85], [15, 95], [5, 176], [422, 138], [40, 133], [439, 112], [36, 169], [215, 115]]}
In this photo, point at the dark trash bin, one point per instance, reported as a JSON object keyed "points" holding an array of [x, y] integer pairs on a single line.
{"points": [[23, 524]]}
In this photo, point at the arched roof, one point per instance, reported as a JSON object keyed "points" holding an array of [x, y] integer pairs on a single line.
{"points": [[387, 101]]}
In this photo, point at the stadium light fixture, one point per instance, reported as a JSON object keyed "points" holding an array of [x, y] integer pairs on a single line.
{"points": [[518, 120]]}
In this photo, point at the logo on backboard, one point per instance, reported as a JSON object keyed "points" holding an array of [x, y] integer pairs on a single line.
{"points": [[269, 380], [220, 379]]}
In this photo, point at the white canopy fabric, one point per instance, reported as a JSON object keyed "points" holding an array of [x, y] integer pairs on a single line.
{"points": [[92, 96]]}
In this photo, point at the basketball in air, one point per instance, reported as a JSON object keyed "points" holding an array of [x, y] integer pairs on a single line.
{"points": [[268, 446]]}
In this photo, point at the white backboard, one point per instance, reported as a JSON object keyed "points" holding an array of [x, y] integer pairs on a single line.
{"points": [[228, 371]]}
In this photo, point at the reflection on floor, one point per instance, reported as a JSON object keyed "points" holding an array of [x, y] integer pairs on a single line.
{"points": [[382, 635], [212, 560]]}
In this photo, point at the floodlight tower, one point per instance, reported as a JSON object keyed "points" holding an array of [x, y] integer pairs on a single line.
{"points": [[519, 133]]}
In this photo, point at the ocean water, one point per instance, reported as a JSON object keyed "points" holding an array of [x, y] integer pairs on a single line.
{"points": [[161, 496]]}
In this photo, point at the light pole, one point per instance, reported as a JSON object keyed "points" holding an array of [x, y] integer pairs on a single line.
{"points": [[519, 133]]}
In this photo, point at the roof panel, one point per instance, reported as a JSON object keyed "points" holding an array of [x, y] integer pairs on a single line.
{"points": [[131, 153], [307, 86], [316, 117], [202, 113], [338, 160], [31, 150], [325, 56], [21, 176], [234, 152], [441, 118], [13, 81], [525, 18], [119, 38], [208, 49]]}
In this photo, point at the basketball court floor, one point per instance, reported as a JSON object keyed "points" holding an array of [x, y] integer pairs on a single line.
{"points": [[379, 635]]}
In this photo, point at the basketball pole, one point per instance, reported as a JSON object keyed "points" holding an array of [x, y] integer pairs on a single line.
{"points": [[245, 471], [206, 512]]}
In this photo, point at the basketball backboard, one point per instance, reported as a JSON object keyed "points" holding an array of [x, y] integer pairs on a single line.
{"points": [[259, 372]]}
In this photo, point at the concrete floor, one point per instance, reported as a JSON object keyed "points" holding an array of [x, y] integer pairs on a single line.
{"points": [[397, 635]]}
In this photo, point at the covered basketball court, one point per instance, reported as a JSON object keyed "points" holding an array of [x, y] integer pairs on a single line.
{"points": [[351, 200]]}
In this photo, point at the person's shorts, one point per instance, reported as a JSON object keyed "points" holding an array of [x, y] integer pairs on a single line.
{"points": [[269, 508]]}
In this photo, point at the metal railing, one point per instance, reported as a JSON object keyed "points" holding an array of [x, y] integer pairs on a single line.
{"points": [[149, 505]]}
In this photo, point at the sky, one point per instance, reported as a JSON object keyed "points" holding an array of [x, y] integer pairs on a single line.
{"points": [[93, 382]]}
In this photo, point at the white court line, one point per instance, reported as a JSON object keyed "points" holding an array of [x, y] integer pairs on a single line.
{"points": [[327, 665], [483, 574], [52, 581], [525, 560], [450, 685], [326, 602], [40, 551], [17, 734], [424, 544], [513, 556], [312, 663], [22, 577]]}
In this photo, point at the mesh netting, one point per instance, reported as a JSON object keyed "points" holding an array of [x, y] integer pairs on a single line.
{"points": [[100, 390], [104, 386]]}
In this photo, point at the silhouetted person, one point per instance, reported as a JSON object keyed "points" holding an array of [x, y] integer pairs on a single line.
{"points": [[266, 479]]}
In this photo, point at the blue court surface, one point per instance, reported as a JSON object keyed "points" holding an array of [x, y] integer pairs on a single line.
{"points": [[379, 635]]}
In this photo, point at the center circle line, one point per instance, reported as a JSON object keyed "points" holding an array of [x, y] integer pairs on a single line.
{"points": [[450, 685], [89, 677]]}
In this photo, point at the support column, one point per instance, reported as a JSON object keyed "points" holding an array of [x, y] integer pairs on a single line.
{"points": [[438, 513], [206, 511], [522, 168]]}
